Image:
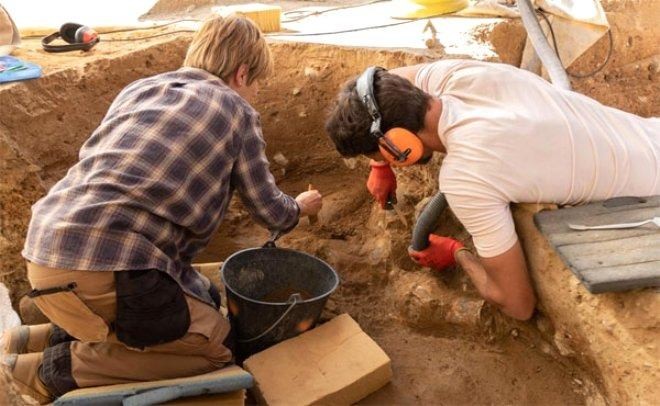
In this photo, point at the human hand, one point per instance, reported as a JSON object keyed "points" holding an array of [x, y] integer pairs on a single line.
{"points": [[310, 203], [439, 254], [381, 182]]}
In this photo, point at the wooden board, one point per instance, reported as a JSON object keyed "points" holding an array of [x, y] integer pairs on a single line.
{"points": [[607, 260]]}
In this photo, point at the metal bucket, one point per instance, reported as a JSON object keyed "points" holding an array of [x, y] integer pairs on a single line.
{"points": [[274, 294]]}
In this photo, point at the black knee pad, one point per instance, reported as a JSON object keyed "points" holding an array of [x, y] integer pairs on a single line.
{"points": [[55, 370], [58, 336]]}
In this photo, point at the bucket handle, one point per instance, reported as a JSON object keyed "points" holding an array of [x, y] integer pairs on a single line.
{"points": [[294, 299], [274, 235]]}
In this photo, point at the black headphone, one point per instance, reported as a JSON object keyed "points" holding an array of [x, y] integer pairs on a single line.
{"points": [[79, 38], [398, 146]]}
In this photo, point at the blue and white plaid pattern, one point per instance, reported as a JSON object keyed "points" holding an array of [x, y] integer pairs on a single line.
{"points": [[154, 181]]}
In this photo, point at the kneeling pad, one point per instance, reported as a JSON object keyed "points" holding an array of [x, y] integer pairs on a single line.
{"points": [[228, 379]]}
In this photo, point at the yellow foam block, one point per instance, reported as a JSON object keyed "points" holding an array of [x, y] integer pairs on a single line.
{"points": [[334, 364], [267, 17], [416, 9]]}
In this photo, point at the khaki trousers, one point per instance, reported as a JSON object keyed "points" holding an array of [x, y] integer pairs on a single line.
{"points": [[97, 357]]}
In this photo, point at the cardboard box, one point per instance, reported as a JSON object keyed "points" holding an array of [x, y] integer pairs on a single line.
{"points": [[336, 363]]}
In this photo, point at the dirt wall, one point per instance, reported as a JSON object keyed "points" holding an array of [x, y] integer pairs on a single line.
{"points": [[613, 333], [42, 126], [630, 80], [306, 82]]}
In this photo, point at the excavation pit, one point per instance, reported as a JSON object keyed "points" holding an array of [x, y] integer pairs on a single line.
{"points": [[447, 346]]}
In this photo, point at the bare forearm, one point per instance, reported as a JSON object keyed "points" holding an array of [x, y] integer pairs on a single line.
{"points": [[507, 286], [477, 274]]}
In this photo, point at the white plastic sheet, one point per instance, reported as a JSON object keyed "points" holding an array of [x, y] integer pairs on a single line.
{"points": [[577, 24], [586, 11]]}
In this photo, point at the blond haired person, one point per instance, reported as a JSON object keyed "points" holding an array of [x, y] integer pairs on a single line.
{"points": [[109, 248]]}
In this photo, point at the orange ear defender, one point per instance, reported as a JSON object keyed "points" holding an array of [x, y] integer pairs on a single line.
{"points": [[400, 139], [78, 37], [398, 146]]}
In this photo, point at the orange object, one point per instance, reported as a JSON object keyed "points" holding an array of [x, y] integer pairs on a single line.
{"points": [[439, 254], [400, 139], [381, 184]]}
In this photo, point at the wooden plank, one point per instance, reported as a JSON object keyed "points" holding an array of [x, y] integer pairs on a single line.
{"points": [[607, 260], [624, 277], [613, 252], [602, 207], [568, 237], [555, 221], [597, 208]]}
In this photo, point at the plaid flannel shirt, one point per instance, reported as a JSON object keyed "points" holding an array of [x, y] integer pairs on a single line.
{"points": [[154, 180]]}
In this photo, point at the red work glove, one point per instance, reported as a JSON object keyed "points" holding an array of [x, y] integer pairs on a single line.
{"points": [[382, 182], [439, 254]]}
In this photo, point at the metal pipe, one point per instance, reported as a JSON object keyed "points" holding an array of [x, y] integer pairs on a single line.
{"points": [[556, 71]]}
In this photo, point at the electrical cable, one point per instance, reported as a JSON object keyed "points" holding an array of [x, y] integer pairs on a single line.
{"points": [[309, 13], [542, 48], [132, 29], [148, 37], [580, 75], [311, 34], [151, 27]]}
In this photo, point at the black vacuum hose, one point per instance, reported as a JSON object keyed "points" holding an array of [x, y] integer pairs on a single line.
{"points": [[427, 222]]}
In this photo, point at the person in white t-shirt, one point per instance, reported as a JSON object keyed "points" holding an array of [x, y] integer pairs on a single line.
{"points": [[509, 136]]}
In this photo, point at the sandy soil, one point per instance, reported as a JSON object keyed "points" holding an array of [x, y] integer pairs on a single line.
{"points": [[439, 357], [630, 81], [170, 9], [9, 395], [447, 347]]}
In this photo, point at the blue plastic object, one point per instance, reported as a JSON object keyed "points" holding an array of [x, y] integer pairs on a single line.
{"points": [[13, 69], [150, 393]]}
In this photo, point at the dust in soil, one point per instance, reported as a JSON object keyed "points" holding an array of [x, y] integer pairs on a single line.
{"points": [[431, 366], [438, 365]]}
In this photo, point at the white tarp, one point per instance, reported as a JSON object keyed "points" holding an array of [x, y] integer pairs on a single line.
{"points": [[9, 36], [577, 24], [586, 11], [8, 317]]}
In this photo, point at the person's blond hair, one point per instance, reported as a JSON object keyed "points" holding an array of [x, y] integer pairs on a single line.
{"points": [[222, 45]]}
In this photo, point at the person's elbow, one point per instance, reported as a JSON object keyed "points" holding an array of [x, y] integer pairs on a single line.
{"points": [[521, 308]]}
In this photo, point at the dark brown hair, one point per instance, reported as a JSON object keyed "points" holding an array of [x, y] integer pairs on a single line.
{"points": [[401, 104]]}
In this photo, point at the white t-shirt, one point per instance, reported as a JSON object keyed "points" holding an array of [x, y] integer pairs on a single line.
{"points": [[513, 137]]}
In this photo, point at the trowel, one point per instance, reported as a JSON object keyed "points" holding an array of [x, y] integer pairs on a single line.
{"points": [[391, 205]]}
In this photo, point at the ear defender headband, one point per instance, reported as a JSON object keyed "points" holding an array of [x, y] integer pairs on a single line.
{"points": [[78, 37], [398, 146]]}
